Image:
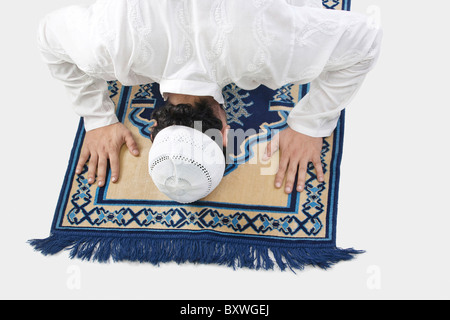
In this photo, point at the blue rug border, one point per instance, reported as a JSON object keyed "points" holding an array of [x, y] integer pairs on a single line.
{"points": [[212, 235], [332, 205]]}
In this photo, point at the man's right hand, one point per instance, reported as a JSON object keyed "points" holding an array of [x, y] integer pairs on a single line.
{"points": [[101, 145]]}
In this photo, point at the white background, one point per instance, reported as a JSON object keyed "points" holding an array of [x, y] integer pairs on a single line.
{"points": [[394, 195]]}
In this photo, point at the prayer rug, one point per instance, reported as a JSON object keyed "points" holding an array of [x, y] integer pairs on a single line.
{"points": [[245, 222]]}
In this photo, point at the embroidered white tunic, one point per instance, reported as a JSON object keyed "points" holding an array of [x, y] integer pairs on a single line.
{"points": [[197, 47]]}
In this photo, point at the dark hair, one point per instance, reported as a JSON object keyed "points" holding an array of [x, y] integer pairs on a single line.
{"points": [[185, 115]]}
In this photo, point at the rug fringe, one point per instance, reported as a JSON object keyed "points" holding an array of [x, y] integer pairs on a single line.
{"points": [[195, 251]]}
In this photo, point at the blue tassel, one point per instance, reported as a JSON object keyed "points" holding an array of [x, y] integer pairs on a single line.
{"points": [[157, 251]]}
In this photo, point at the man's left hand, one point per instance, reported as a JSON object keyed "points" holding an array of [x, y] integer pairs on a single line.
{"points": [[297, 150]]}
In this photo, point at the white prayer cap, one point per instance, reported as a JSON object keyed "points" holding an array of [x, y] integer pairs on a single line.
{"points": [[185, 164]]}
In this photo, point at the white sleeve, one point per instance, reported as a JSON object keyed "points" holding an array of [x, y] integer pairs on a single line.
{"points": [[60, 45], [355, 55], [305, 3]]}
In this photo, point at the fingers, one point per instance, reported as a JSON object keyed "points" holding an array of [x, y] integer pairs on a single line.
{"points": [[297, 151], [268, 152], [131, 144], [101, 146], [319, 170], [84, 156], [302, 176], [271, 148], [92, 168], [114, 162], [279, 177], [98, 167], [290, 177], [101, 169], [289, 171]]}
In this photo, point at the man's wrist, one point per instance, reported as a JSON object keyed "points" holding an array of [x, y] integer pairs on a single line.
{"points": [[92, 123]]}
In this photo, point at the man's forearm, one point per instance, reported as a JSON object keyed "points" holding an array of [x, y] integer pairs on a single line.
{"points": [[89, 95]]}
